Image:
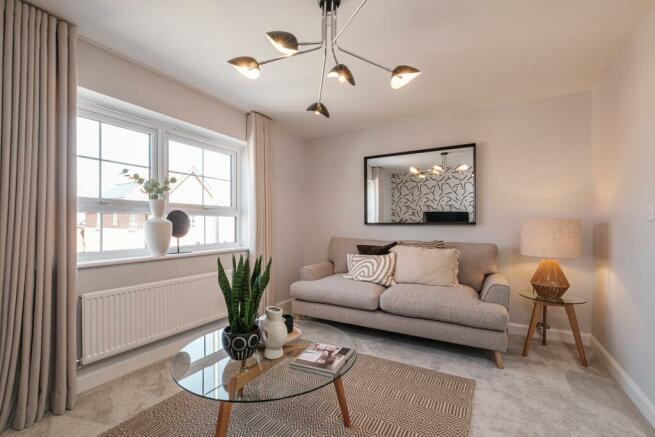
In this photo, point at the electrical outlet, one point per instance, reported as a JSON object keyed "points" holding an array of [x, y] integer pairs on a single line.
{"points": [[651, 213]]}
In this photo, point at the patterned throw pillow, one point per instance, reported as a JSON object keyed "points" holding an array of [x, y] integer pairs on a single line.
{"points": [[372, 268]]}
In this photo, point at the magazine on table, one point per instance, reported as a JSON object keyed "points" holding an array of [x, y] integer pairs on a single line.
{"points": [[322, 358]]}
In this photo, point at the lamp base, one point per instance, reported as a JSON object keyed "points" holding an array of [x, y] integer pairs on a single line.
{"points": [[549, 280]]}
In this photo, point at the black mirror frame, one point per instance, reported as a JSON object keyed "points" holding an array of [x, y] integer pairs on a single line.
{"points": [[410, 152]]}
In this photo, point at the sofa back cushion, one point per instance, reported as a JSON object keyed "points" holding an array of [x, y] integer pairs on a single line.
{"points": [[476, 260]]}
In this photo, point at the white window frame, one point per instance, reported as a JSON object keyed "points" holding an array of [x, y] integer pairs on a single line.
{"points": [[160, 131]]}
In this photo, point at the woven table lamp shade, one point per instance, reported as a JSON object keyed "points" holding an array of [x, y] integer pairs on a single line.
{"points": [[549, 239]]}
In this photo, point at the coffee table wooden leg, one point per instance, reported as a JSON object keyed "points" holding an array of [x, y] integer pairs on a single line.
{"points": [[573, 321], [533, 325], [223, 420], [343, 403]]}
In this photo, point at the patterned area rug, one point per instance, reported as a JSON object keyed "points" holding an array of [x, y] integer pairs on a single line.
{"points": [[385, 398]]}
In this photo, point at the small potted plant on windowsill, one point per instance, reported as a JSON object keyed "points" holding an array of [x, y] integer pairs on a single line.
{"points": [[158, 230], [242, 297]]}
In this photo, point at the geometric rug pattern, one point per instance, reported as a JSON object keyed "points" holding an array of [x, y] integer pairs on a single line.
{"points": [[385, 399]]}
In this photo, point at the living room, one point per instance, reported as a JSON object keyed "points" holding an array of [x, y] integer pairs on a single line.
{"points": [[327, 218]]}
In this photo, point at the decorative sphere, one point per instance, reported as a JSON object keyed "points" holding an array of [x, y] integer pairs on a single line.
{"points": [[181, 223]]}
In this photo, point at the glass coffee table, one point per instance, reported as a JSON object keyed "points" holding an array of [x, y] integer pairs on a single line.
{"points": [[203, 368]]}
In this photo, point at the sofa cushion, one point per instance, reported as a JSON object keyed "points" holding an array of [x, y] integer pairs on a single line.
{"points": [[337, 290], [367, 249], [460, 305]]}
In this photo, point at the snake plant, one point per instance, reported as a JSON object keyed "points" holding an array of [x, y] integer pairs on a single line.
{"points": [[243, 295]]}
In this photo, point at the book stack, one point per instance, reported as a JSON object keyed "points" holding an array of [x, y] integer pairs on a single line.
{"points": [[321, 358]]}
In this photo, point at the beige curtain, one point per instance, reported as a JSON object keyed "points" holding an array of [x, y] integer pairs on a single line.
{"points": [[37, 215], [261, 205]]}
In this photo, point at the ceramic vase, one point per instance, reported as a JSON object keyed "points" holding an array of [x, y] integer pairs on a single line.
{"points": [[274, 333], [158, 230]]}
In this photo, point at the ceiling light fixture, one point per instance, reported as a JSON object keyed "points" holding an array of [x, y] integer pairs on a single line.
{"points": [[288, 45], [437, 169]]}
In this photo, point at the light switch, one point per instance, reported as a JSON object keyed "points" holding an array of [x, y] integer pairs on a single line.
{"points": [[651, 213]]}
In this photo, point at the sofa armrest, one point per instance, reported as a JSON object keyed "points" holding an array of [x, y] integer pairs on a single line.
{"points": [[495, 289], [316, 271]]}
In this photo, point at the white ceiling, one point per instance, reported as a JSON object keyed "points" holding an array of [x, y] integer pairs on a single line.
{"points": [[473, 53]]}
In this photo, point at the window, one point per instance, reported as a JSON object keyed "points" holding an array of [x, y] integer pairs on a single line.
{"points": [[205, 190], [112, 210]]}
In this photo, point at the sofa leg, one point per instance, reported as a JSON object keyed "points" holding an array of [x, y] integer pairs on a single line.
{"points": [[498, 359]]}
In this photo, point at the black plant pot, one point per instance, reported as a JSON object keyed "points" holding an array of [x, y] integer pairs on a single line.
{"points": [[240, 346]]}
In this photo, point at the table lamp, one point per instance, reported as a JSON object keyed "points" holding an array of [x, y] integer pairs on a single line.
{"points": [[549, 239]]}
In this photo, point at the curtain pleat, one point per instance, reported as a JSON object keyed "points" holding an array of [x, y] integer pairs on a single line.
{"points": [[37, 215], [261, 207]]}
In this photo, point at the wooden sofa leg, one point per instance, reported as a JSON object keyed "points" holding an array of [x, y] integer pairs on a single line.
{"points": [[498, 359]]}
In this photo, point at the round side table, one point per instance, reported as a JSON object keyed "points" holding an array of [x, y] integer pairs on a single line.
{"points": [[540, 307]]}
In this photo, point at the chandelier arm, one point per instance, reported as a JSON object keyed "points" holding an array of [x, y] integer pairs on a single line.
{"points": [[312, 43], [355, 55], [301, 52], [349, 20], [320, 89]]}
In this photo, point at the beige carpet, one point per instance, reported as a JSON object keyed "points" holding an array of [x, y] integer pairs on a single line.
{"points": [[386, 399]]}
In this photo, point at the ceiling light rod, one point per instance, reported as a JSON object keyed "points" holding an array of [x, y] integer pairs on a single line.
{"points": [[324, 38], [333, 27], [334, 40]]}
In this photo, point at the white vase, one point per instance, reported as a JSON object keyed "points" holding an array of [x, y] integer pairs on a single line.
{"points": [[274, 333], [158, 229]]}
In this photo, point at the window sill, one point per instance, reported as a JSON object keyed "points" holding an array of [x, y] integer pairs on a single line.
{"points": [[148, 258]]}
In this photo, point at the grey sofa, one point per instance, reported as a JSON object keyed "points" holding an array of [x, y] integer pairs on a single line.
{"points": [[475, 313]]}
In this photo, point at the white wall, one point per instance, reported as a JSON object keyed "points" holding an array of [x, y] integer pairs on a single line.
{"points": [[113, 75], [533, 161], [623, 159]]}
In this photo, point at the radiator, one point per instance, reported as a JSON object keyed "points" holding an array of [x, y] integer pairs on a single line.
{"points": [[117, 320]]}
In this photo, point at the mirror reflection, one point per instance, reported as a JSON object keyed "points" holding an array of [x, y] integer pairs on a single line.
{"points": [[434, 186]]}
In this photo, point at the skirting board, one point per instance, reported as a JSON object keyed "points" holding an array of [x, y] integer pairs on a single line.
{"points": [[629, 386], [553, 334]]}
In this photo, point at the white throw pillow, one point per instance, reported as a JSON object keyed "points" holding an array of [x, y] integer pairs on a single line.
{"points": [[371, 268], [419, 265]]}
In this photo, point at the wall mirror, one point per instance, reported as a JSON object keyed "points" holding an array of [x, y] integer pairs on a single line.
{"points": [[430, 186]]}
